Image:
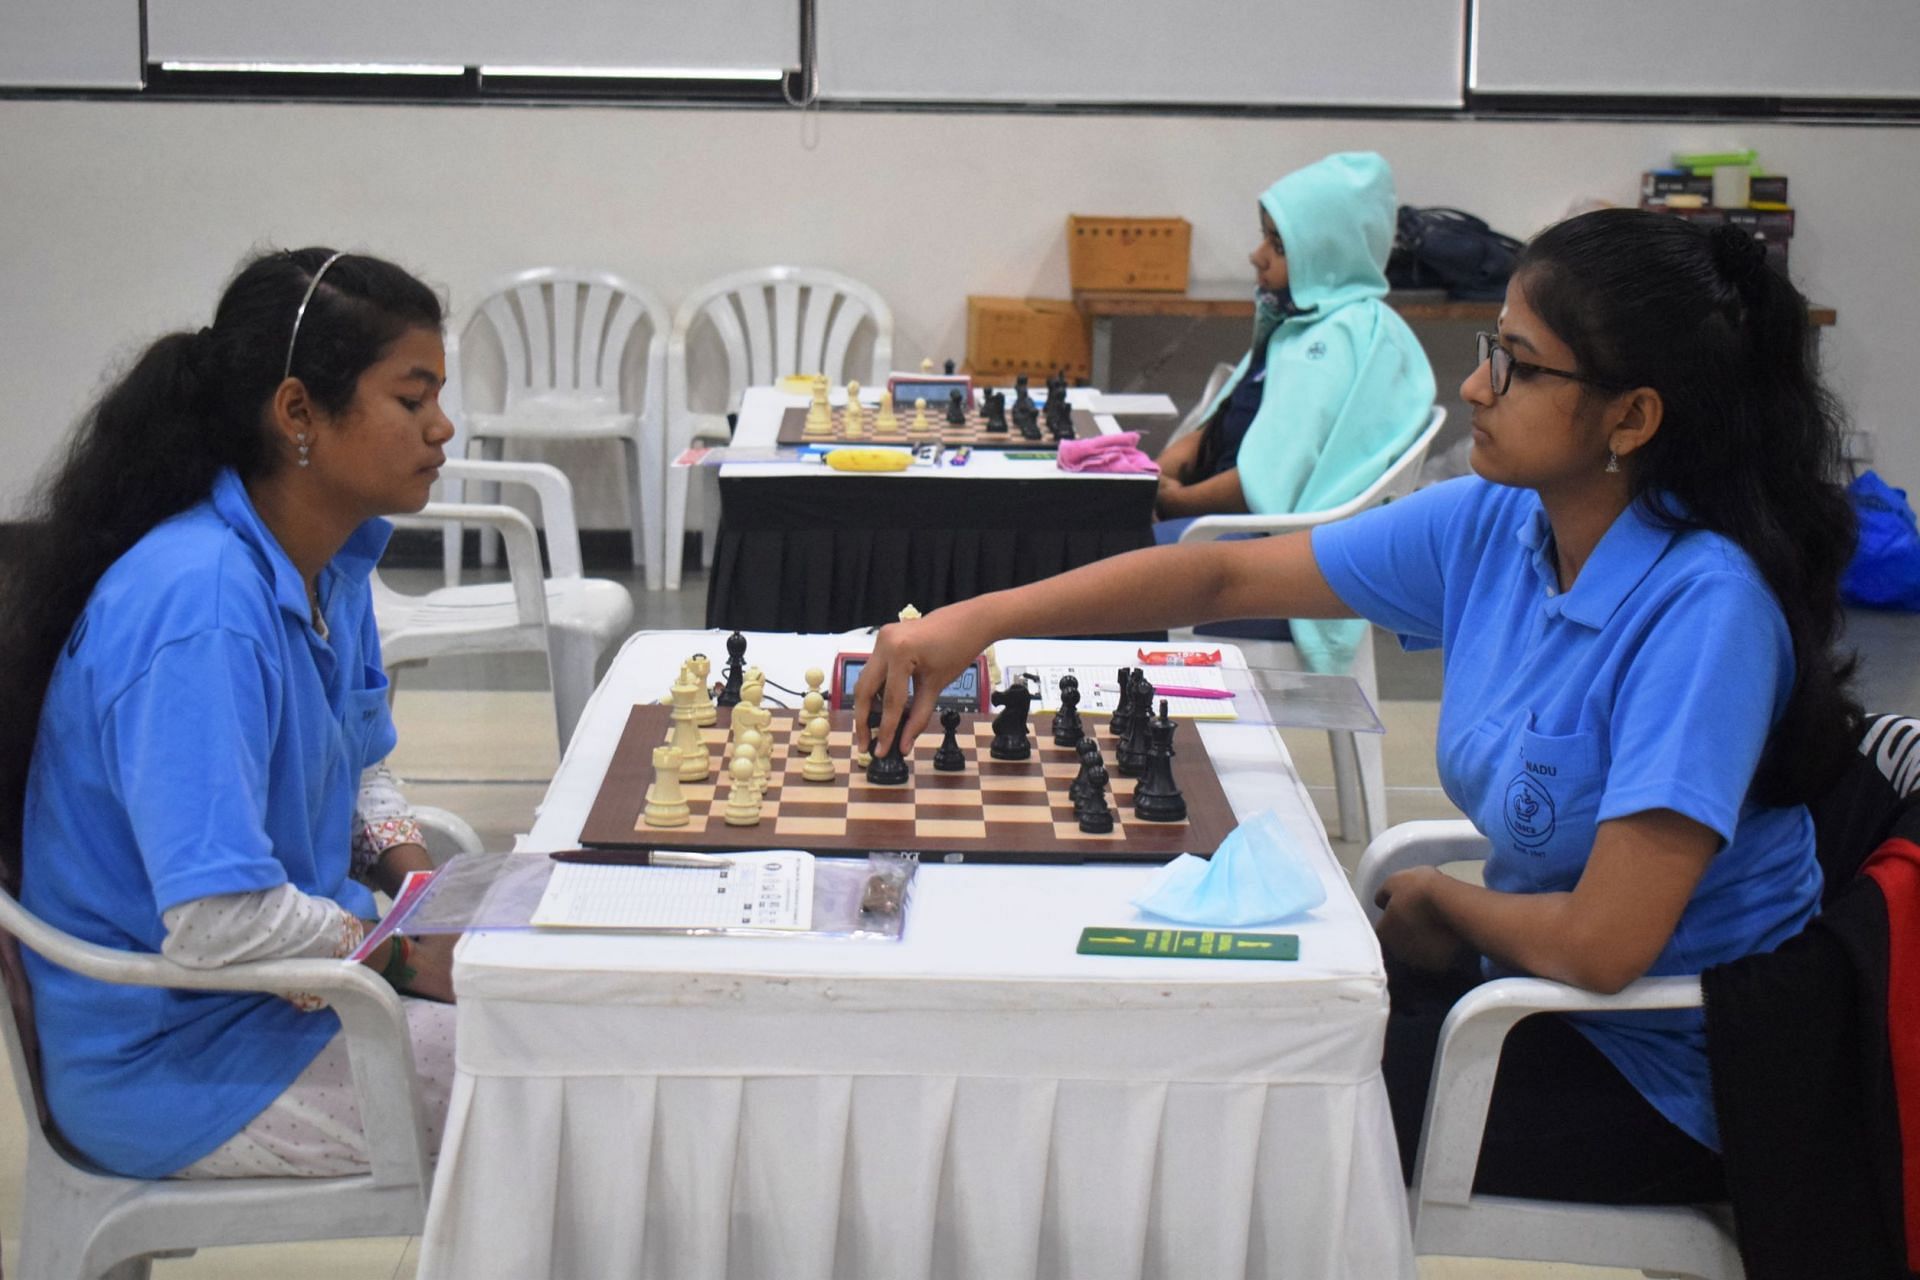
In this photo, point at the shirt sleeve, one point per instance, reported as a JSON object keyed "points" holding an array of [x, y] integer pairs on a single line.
{"points": [[1389, 564], [1697, 701], [188, 746], [382, 818], [266, 924]]}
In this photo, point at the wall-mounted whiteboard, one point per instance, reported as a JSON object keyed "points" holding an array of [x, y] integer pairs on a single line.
{"points": [[1394, 53], [707, 35], [70, 44], [1706, 48]]}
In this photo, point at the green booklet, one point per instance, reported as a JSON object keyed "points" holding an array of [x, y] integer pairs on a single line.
{"points": [[1192, 944]]}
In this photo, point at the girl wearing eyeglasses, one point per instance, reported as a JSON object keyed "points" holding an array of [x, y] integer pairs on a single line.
{"points": [[1636, 596]]}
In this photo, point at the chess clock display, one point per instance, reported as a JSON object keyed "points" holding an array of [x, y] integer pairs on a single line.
{"points": [[968, 691], [932, 387]]}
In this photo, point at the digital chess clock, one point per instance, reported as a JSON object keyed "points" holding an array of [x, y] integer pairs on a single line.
{"points": [[967, 692], [932, 387]]}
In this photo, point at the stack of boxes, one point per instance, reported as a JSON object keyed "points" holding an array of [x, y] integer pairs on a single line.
{"points": [[1724, 188], [1040, 336]]}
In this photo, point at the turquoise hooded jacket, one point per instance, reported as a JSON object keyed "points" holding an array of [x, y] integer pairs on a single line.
{"points": [[1348, 387]]}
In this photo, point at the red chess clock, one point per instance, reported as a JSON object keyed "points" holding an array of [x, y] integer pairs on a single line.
{"points": [[967, 692]]}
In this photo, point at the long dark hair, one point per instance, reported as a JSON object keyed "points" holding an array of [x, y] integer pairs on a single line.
{"points": [[1749, 441], [190, 405]]}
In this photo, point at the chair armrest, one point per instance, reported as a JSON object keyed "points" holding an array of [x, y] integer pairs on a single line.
{"points": [[554, 493], [1469, 1056], [516, 533], [1415, 844], [450, 826], [378, 1046]]}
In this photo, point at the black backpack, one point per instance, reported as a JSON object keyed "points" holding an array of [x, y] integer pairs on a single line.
{"points": [[1451, 250]]}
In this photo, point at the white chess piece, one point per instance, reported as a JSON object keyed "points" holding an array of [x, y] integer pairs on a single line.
{"points": [[919, 422], [743, 797], [685, 738], [818, 766], [753, 686], [819, 413], [704, 712], [885, 421], [853, 418], [909, 613], [813, 711], [666, 806], [926, 364]]}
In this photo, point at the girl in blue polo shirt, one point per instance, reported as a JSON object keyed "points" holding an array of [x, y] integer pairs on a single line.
{"points": [[1637, 597], [193, 718]]}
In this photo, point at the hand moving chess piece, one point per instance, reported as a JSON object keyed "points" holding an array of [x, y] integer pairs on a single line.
{"points": [[1010, 740], [736, 667], [1157, 798], [818, 766], [1067, 729], [949, 758], [666, 806], [890, 769], [743, 796]]}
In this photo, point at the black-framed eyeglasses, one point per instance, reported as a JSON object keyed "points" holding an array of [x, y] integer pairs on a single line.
{"points": [[1500, 364]]}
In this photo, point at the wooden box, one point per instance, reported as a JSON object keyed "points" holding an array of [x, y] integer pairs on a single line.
{"points": [[1034, 336], [1128, 253]]}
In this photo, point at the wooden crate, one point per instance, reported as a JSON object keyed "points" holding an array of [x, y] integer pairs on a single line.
{"points": [[1128, 253]]}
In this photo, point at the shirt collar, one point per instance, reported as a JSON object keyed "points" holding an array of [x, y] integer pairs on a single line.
{"points": [[1626, 553], [352, 564]]}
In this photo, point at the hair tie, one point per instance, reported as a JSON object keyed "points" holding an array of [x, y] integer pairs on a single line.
{"points": [[1738, 256]]}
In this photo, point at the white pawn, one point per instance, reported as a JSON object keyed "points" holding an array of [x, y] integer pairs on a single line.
{"points": [[666, 806], [818, 766], [813, 710], [854, 419], [743, 797], [926, 364], [704, 712], [885, 421], [819, 413], [919, 422]]}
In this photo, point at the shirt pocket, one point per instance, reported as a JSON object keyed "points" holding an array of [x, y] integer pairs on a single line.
{"points": [[1547, 797], [365, 723]]}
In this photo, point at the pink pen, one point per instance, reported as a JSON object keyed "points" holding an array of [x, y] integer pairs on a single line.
{"points": [[1177, 691]]}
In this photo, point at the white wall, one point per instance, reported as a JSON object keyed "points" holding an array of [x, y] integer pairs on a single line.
{"points": [[121, 219]]}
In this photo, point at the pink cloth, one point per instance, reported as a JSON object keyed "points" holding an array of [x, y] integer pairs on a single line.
{"points": [[1114, 453]]}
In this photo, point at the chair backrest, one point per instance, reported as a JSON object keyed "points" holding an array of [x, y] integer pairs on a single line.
{"points": [[22, 1036], [1198, 414], [775, 321], [563, 335]]}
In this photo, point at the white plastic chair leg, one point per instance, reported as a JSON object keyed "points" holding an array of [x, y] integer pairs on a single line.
{"points": [[491, 449], [636, 499], [674, 525], [571, 656], [710, 529]]}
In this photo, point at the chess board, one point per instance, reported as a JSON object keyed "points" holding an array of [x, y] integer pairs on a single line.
{"points": [[972, 433], [992, 811]]}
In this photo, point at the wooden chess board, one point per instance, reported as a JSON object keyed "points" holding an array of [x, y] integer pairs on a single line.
{"points": [[992, 811], [972, 433]]}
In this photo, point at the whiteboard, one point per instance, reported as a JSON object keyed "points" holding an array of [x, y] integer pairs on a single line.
{"points": [[710, 34], [70, 44], [1706, 48], [1404, 53]]}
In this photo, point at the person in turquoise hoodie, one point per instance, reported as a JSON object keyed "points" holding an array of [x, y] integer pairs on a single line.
{"points": [[1334, 385]]}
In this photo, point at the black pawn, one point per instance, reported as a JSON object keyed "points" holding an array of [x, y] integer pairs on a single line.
{"points": [[891, 769], [956, 412], [949, 758], [1157, 796], [1022, 398], [1122, 705], [1067, 730], [1095, 815], [949, 368], [736, 668], [1131, 755], [1089, 752]]}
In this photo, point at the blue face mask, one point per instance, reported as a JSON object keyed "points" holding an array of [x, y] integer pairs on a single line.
{"points": [[1255, 876]]}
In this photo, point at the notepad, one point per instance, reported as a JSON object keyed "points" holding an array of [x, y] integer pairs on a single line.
{"points": [[771, 890]]}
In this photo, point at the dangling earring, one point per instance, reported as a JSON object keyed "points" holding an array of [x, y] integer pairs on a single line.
{"points": [[1613, 460], [300, 439]]}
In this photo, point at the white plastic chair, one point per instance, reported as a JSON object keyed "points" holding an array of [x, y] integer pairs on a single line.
{"points": [[1197, 416], [1359, 763], [564, 336], [79, 1223], [772, 321], [1448, 1218], [568, 617]]}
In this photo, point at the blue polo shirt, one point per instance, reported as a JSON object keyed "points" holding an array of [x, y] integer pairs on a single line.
{"points": [[198, 738], [1651, 684]]}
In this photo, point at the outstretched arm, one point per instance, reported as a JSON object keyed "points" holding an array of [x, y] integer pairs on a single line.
{"points": [[1142, 590]]}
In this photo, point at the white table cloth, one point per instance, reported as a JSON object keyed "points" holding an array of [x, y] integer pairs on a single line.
{"points": [[974, 1101]]}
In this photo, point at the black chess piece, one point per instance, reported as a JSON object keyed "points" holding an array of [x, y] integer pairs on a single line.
{"points": [[891, 769], [1095, 815], [949, 368], [1027, 420], [1010, 740], [1157, 798], [1089, 753], [1131, 755], [1122, 705], [1022, 398], [735, 669], [1067, 729], [956, 412], [949, 758]]}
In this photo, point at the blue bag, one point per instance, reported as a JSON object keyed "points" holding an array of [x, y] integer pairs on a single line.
{"points": [[1885, 570]]}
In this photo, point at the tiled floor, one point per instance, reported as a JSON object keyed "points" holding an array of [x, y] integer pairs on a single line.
{"points": [[477, 737]]}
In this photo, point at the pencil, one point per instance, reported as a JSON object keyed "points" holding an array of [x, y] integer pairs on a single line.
{"points": [[640, 858]]}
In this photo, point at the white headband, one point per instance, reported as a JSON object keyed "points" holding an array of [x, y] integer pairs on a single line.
{"points": [[300, 315]]}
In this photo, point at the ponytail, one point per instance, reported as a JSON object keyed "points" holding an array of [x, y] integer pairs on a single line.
{"points": [[191, 405]]}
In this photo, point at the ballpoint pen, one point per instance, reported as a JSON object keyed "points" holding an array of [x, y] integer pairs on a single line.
{"points": [[1177, 691], [641, 858]]}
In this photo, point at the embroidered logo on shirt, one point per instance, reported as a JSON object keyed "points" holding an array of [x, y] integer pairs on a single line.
{"points": [[1529, 809], [1317, 351]]}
